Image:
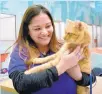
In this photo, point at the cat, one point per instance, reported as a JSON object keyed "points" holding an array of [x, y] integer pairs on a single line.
{"points": [[76, 33]]}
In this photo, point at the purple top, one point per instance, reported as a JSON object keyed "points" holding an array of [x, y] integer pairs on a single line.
{"points": [[65, 84]]}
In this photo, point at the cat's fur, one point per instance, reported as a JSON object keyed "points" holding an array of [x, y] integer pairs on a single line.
{"points": [[76, 33]]}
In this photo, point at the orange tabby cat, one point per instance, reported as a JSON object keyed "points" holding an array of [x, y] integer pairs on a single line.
{"points": [[76, 33]]}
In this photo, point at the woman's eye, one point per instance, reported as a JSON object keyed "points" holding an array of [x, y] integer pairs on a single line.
{"points": [[48, 26], [37, 29]]}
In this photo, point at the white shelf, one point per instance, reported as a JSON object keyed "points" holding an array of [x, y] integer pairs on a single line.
{"points": [[7, 27]]}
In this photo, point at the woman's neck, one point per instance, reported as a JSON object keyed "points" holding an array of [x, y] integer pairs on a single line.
{"points": [[43, 49]]}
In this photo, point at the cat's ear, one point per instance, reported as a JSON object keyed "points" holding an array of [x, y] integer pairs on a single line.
{"points": [[68, 26], [69, 21], [79, 25]]}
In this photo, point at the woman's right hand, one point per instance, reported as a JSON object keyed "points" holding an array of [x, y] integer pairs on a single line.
{"points": [[69, 60]]}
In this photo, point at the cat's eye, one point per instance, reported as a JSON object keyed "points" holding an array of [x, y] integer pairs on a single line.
{"points": [[74, 34], [69, 33]]}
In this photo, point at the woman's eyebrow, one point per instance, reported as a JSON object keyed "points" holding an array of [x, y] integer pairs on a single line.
{"points": [[35, 26], [39, 25], [48, 23]]}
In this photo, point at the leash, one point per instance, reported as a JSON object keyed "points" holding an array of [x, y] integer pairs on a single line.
{"points": [[90, 83]]}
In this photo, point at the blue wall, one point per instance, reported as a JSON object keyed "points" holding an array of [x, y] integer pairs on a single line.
{"points": [[87, 11]]}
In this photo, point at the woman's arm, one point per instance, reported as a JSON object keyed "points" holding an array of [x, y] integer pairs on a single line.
{"points": [[81, 78], [25, 84], [75, 72]]}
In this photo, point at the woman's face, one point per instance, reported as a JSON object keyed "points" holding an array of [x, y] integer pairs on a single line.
{"points": [[41, 29]]}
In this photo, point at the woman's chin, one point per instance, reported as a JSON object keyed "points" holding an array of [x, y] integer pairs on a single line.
{"points": [[44, 43]]}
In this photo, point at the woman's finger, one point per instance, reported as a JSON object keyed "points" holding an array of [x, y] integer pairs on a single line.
{"points": [[81, 51], [76, 50], [81, 56]]}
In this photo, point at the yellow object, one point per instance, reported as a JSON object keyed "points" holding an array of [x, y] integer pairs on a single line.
{"points": [[6, 87]]}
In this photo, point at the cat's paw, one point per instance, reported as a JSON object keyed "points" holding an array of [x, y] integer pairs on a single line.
{"points": [[38, 61], [35, 60]]}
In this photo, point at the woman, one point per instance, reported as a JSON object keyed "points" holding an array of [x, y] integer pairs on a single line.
{"points": [[37, 39]]}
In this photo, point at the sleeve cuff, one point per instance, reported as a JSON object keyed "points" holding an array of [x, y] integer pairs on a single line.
{"points": [[85, 81], [54, 73]]}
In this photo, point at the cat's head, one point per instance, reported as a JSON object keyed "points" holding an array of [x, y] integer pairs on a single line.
{"points": [[76, 32]]}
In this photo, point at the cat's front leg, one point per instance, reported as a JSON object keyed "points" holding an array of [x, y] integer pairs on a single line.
{"points": [[51, 57], [44, 60], [41, 67]]}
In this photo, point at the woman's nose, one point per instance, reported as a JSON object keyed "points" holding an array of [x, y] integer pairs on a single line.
{"points": [[44, 31]]}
